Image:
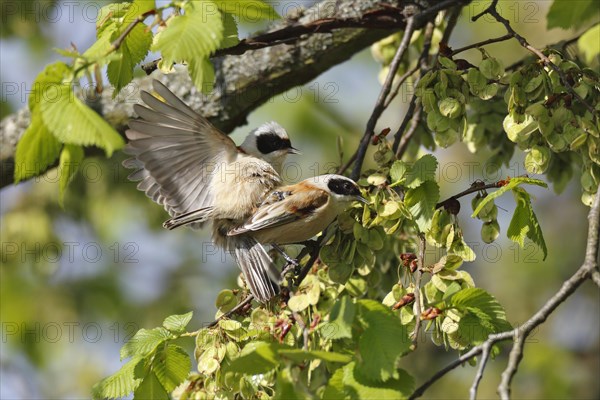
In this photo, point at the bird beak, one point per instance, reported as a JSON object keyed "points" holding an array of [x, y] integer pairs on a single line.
{"points": [[361, 199], [292, 150]]}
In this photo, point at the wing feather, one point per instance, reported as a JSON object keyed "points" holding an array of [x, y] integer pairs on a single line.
{"points": [[284, 206], [174, 152]]}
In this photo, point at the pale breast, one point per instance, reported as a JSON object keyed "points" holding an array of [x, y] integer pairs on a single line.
{"points": [[239, 186]]}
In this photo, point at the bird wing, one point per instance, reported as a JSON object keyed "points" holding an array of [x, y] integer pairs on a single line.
{"points": [[282, 206], [175, 151]]}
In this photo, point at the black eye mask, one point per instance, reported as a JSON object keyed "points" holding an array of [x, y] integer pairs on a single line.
{"points": [[343, 187], [270, 142]]}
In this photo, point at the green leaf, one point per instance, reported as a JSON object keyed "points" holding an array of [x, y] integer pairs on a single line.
{"points": [[568, 13], [299, 355], [484, 307], [230, 31], [133, 50], [335, 386], [203, 74], [358, 386], [177, 323], [46, 83], [71, 157], [119, 384], [144, 342], [398, 170], [589, 43], [73, 122], [150, 389], [249, 10], [421, 171], [382, 343], [341, 319], [191, 37], [36, 150], [421, 202], [512, 183], [140, 7], [256, 358], [171, 366], [524, 222]]}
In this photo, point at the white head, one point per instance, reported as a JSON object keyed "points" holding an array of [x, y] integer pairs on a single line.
{"points": [[269, 142], [342, 189]]}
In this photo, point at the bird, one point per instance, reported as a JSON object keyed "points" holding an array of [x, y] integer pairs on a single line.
{"points": [[296, 213], [199, 175]]}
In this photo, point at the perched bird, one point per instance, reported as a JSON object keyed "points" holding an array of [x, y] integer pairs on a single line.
{"points": [[296, 213], [199, 175]]}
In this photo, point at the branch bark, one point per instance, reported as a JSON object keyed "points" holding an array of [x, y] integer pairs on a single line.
{"points": [[245, 81]]}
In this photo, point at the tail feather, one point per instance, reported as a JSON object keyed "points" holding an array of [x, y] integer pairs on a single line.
{"points": [[258, 268], [196, 217]]}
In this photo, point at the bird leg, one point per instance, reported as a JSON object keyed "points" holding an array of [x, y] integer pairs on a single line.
{"points": [[288, 259]]}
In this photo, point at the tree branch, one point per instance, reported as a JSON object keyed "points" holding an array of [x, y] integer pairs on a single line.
{"points": [[244, 82], [417, 304], [381, 100], [520, 334]]}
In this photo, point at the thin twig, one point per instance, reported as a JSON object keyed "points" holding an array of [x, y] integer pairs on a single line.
{"points": [[475, 187], [414, 124], [491, 10], [481, 44], [520, 334], [451, 24], [424, 67], [417, 304], [304, 328], [401, 81], [140, 18], [234, 310], [595, 277], [383, 94], [485, 355]]}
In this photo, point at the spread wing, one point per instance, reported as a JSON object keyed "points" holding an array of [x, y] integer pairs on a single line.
{"points": [[283, 206], [175, 151]]}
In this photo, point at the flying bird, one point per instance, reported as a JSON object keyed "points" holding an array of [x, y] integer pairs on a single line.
{"points": [[199, 175]]}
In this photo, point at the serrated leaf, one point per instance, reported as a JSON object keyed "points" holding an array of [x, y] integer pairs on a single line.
{"points": [[191, 37], [524, 222], [203, 74], [144, 342], [422, 170], [341, 319], [398, 170], [230, 31], [256, 358], [171, 366], [139, 7], [383, 341], [483, 306], [421, 202], [512, 183], [178, 323], [46, 83], [589, 43], [568, 14], [73, 122], [120, 384], [249, 10], [150, 389], [358, 386], [299, 355], [133, 50], [36, 150], [71, 157]]}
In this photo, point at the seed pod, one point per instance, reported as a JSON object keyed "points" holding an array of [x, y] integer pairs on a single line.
{"points": [[490, 231]]}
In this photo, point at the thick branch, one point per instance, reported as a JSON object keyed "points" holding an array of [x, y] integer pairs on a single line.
{"points": [[244, 82]]}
